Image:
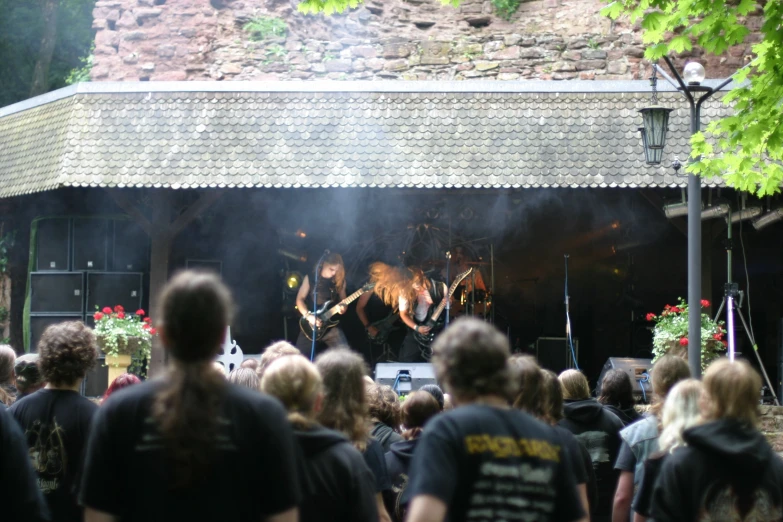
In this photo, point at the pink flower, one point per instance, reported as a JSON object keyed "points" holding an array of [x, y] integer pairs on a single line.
{"points": [[717, 336], [140, 312], [650, 316], [675, 310], [153, 331], [98, 316], [684, 341], [107, 310], [121, 315], [705, 303], [119, 308]]}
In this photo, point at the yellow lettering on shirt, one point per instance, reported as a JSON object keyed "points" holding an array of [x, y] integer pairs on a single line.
{"points": [[507, 447]]}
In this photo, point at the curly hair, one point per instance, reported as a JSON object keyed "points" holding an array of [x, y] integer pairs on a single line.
{"points": [[66, 351], [384, 405], [471, 359], [273, 352], [345, 403]]}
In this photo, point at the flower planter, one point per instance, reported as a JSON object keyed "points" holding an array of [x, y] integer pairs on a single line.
{"points": [[125, 346]]}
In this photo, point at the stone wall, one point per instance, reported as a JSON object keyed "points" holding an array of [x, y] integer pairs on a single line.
{"points": [[383, 39]]}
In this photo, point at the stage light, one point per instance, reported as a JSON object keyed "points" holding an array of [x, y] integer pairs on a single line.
{"points": [[745, 213], [615, 225], [301, 233], [284, 232], [293, 281], [769, 218], [674, 210], [715, 211], [290, 254]]}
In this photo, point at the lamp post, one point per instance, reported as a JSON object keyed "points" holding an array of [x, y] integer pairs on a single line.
{"points": [[655, 138]]}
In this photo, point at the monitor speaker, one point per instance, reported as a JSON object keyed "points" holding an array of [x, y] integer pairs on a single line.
{"points": [[53, 239], [639, 370], [90, 244], [111, 289], [57, 292], [405, 377], [554, 353], [96, 380], [131, 250], [39, 323]]}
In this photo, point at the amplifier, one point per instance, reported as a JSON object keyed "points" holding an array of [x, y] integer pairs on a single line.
{"points": [[554, 353], [636, 370], [405, 377]]}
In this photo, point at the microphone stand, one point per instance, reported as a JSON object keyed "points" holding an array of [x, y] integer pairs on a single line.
{"points": [[315, 302], [569, 337], [448, 305]]}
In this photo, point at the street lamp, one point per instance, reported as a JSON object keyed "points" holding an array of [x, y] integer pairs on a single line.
{"points": [[694, 75]]}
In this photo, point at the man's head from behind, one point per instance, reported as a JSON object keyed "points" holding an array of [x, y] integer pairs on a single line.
{"points": [[731, 391], [471, 360], [67, 351], [28, 375]]}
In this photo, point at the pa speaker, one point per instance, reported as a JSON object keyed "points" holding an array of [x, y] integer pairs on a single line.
{"points": [[639, 370], [90, 244], [57, 292], [405, 377], [554, 353], [131, 248], [96, 381], [53, 238], [39, 323], [111, 289]]}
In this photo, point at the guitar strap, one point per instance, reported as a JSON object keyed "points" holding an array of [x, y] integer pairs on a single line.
{"points": [[436, 291]]}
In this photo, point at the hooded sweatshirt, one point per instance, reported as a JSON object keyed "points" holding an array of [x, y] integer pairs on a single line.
{"points": [[335, 482], [627, 416], [385, 435], [599, 431], [398, 461], [727, 471]]}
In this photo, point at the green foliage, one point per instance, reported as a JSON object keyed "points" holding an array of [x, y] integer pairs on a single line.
{"points": [[6, 244], [748, 145], [3, 314], [261, 28], [121, 333], [82, 74], [592, 44], [671, 333], [506, 8], [327, 7], [21, 27]]}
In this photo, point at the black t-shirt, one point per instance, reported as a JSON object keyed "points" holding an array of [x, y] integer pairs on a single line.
{"points": [[22, 500], [626, 460], [373, 457], [385, 435], [252, 475], [56, 424], [488, 463]]}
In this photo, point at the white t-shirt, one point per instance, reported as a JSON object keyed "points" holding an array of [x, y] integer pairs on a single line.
{"points": [[423, 303]]}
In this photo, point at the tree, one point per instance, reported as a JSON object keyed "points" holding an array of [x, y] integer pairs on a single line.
{"points": [[747, 150], [50, 9]]}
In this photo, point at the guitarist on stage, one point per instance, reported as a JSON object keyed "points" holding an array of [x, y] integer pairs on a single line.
{"points": [[415, 301], [331, 287]]}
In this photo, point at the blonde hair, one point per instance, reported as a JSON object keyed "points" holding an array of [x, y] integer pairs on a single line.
{"points": [[244, 377], [680, 412], [574, 384], [295, 381], [274, 352], [732, 391], [667, 371]]}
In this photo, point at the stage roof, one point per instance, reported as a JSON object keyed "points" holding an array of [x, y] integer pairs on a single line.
{"points": [[481, 134]]}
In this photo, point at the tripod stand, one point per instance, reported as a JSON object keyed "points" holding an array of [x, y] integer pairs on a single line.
{"points": [[732, 300]]}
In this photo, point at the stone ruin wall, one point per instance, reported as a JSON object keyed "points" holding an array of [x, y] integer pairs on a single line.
{"points": [[382, 39]]}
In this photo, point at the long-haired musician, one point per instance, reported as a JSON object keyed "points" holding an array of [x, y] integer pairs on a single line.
{"points": [[331, 287], [418, 296]]}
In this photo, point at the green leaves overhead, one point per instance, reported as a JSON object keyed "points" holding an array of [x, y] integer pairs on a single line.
{"points": [[327, 7], [747, 148]]}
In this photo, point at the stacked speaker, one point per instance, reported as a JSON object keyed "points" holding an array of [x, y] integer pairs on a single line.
{"points": [[82, 263]]}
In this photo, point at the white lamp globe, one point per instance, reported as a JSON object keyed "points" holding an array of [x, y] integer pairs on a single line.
{"points": [[693, 74]]}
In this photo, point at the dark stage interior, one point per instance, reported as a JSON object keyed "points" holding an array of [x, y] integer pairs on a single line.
{"points": [[625, 258]]}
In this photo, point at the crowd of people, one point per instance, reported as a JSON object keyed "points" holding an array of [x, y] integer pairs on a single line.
{"points": [[283, 439]]}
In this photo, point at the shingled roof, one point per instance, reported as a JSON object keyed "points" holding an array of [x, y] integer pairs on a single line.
{"points": [[338, 134]]}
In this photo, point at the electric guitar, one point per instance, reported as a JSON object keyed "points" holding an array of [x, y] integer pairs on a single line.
{"points": [[385, 326], [325, 314], [433, 317]]}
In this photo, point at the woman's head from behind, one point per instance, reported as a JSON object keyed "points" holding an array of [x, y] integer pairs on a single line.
{"points": [[123, 381], [528, 378], [680, 412], [345, 402], [418, 408], [551, 397], [667, 371], [731, 391], [575, 385], [295, 381], [617, 389]]}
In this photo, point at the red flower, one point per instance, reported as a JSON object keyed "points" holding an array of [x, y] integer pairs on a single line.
{"points": [[121, 315], [717, 336], [705, 303], [650, 316], [684, 341], [153, 331], [667, 307], [98, 316], [119, 308], [675, 310], [140, 312], [107, 310], [146, 326], [725, 343], [148, 320]]}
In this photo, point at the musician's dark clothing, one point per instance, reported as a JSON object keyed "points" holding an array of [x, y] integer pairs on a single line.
{"points": [[411, 350], [326, 290]]}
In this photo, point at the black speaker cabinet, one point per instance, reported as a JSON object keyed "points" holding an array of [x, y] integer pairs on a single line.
{"points": [[211, 265], [39, 323], [405, 377], [57, 292], [131, 248], [90, 244], [96, 380], [111, 289], [554, 353], [639, 370], [53, 239]]}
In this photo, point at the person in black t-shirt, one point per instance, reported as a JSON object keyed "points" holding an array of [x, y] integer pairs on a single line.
{"points": [[22, 499], [418, 408], [56, 420], [331, 287], [596, 428], [344, 409], [335, 482], [727, 470], [484, 460], [191, 446], [617, 396]]}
